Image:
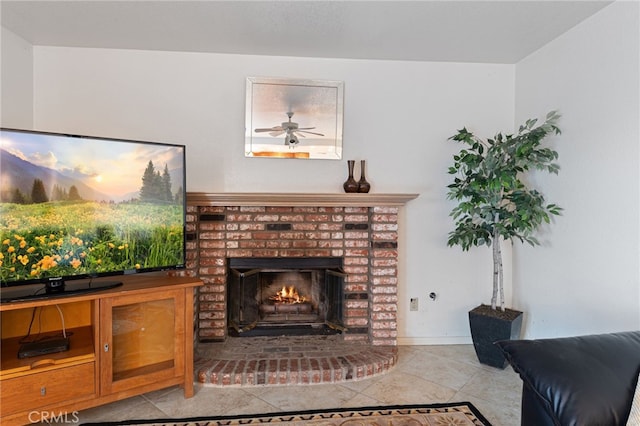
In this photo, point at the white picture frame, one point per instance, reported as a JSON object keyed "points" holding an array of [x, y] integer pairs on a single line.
{"points": [[294, 118]]}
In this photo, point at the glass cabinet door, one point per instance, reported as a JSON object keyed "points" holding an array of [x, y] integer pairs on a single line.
{"points": [[141, 340]]}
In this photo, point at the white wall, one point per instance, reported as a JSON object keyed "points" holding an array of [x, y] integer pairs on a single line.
{"points": [[398, 116], [16, 81], [586, 278]]}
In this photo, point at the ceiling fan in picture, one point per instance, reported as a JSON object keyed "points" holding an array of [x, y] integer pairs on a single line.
{"points": [[290, 130]]}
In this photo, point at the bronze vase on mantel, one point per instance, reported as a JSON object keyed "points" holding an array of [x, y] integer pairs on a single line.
{"points": [[363, 185], [350, 185]]}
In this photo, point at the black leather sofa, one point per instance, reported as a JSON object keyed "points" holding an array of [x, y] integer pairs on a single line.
{"points": [[576, 381]]}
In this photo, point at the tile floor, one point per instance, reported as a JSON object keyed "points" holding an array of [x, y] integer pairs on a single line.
{"points": [[423, 374]]}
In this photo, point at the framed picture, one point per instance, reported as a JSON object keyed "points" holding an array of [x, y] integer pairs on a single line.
{"points": [[290, 118]]}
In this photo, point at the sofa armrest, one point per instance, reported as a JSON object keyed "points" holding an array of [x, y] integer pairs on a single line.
{"points": [[585, 380], [535, 412]]}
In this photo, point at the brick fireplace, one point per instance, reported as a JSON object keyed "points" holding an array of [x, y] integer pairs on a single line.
{"points": [[285, 296], [359, 229]]}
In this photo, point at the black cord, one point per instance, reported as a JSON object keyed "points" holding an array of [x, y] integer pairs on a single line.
{"points": [[43, 288], [25, 339], [33, 316]]}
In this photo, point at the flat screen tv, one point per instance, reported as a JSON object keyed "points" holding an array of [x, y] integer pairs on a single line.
{"points": [[75, 208]]}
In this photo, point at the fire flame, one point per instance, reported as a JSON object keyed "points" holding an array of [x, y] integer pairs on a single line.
{"points": [[288, 295]]}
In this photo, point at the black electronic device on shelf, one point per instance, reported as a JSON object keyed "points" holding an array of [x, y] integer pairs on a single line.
{"points": [[43, 344], [44, 347]]}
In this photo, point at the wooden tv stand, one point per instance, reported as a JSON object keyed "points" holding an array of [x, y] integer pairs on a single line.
{"points": [[125, 341]]}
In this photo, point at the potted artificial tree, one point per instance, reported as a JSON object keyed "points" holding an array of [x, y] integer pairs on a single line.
{"points": [[495, 204]]}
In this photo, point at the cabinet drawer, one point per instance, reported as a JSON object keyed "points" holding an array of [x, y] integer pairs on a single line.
{"points": [[49, 387]]}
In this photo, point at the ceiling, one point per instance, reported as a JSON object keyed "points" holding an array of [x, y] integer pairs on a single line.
{"points": [[500, 31]]}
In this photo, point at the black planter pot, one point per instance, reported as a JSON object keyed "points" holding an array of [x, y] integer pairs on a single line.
{"points": [[489, 326]]}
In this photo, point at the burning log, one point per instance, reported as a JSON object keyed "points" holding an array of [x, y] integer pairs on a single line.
{"points": [[287, 308], [288, 295]]}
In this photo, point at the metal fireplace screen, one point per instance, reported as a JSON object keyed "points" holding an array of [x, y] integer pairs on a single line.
{"points": [[285, 296]]}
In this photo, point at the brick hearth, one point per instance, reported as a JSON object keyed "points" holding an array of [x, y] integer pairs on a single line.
{"points": [[289, 360]]}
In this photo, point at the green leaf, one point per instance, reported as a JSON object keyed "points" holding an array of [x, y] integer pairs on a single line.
{"points": [[491, 185]]}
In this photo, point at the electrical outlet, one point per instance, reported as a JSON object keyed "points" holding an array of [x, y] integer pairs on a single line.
{"points": [[413, 306]]}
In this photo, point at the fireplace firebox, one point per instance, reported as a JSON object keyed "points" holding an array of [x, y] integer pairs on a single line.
{"points": [[285, 296]]}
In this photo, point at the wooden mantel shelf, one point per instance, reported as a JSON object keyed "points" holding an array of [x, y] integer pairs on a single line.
{"points": [[297, 199]]}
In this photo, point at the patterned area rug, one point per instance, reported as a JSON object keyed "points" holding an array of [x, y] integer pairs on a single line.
{"points": [[455, 414]]}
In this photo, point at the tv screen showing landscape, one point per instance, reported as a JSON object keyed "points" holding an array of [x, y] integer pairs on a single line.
{"points": [[75, 206]]}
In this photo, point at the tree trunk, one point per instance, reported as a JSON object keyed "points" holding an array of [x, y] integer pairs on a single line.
{"points": [[500, 274], [496, 267]]}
